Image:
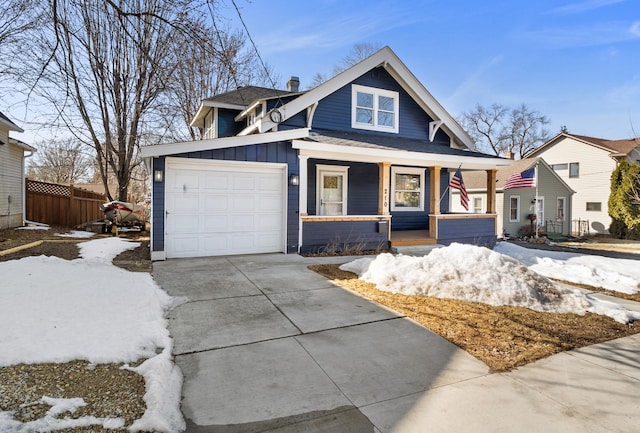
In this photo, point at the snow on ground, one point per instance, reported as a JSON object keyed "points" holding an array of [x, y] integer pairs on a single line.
{"points": [[619, 275], [76, 234], [478, 274], [39, 227], [55, 310]]}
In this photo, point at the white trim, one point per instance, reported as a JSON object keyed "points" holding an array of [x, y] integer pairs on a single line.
{"points": [[473, 207], [221, 143], [339, 169], [406, 170], [204, 105], [518, 209], [433, 128], [539, 210], [397, 157], [376, 93]]}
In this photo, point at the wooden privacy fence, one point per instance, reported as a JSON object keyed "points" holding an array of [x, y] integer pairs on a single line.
{"points": [[63, 205]]}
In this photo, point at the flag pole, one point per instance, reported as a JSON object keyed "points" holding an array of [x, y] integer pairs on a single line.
{"points": [[447, 189]]}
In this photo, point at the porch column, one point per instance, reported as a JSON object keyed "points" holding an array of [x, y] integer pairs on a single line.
{"points": [[384, 182], [302, 205], [434, 190], [491, 190]]}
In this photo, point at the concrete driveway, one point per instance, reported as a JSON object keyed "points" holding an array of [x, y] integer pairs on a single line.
{"points": [[266, 345]]}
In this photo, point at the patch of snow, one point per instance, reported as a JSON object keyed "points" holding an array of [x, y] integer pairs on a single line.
{"points": [[55, 310], [477, 274], [620, 275], [33, 228], [80, 234], [50, 422]]}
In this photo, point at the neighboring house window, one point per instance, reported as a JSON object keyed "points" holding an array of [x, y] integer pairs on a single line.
{"points": [[561, 208], [477, 205], [557, 167], [331, 195], [407, 189], [374, 109], [574, 169], [514, 208], [539, 210], [595, 206]]}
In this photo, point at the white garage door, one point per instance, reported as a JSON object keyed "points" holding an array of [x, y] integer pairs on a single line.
{"points": [[222, 208]]}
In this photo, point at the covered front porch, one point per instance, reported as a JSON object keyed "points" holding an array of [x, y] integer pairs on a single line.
{"points": [[394, 216]]}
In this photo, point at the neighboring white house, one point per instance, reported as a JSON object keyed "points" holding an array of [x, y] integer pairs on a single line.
{"points": [[12, 169], [586, 164], [552, 204]]}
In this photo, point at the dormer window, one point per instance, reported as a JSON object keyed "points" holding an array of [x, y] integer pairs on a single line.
{"points": [[374, 109], [254, 115]]}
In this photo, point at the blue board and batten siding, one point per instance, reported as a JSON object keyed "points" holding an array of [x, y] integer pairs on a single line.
{"points": [[278, 152], [476, 231], [334, 111], [344, 236]]}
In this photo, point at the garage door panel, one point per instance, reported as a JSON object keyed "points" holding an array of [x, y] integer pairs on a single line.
{"points": [[185, 181], [216, 181], [215, 202], [218, 208]]}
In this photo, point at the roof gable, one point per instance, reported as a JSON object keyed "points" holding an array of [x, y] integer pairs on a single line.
{"points": [[8, 124], [616, 147], [393, 65]]}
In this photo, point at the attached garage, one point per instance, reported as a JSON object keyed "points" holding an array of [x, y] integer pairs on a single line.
{"points": [[215, 207]]}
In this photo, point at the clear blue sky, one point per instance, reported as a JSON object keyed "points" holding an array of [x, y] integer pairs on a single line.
{"points": [[576, 61]]}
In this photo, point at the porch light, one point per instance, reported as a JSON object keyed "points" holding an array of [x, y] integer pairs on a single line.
{"points": [[294, 180], [158, 176]]}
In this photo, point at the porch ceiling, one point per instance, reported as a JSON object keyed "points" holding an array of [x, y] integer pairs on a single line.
{"points": [[404, 152]]}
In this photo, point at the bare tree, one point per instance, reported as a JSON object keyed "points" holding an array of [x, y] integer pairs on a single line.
{"points": [[499, 130], [359, 52], [61, 161], [17, 17], [103, 66]]}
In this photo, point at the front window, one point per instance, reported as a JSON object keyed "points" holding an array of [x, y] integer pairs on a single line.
{"points": [[374, 109], [514, 208], [574, 169], [561, 208], [407, 186]]}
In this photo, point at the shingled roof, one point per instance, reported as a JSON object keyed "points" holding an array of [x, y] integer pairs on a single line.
{"points": [[478, 179], [244, 96], [616, 146], [12, 126]]}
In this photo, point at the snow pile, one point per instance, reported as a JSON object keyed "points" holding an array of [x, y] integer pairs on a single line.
{"points": [[54, 310], [478, 274], [612, 274]]}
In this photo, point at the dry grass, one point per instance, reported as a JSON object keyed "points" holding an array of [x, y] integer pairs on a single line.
{"points": [[501, 337]]}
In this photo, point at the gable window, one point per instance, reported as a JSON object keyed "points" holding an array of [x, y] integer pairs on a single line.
{"points": [[574, 169], [407, 189], [331, 194], [514, 208], [594, 206], [374, 109], [561, 205]]}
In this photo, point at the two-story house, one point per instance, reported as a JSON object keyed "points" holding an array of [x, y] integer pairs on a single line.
{"points": [[585, 164], [13, 154], [351, 164]]}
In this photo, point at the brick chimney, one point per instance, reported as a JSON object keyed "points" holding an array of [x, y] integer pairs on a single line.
{"points": [[293, 85], [509, 154]]}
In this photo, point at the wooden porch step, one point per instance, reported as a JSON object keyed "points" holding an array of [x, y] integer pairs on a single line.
{"points": [[411, 237]]}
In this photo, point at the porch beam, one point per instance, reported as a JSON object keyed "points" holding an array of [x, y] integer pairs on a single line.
{"points": [[491, 190], [384, 183], [434, 190]]}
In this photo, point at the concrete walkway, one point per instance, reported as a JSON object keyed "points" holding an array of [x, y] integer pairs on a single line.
{"points": [[267, 345]]}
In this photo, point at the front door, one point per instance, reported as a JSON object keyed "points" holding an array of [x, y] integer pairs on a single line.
{"points": [[332, 194]]}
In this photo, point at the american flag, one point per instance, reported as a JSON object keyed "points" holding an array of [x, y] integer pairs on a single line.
{"points": [[526, 179], [457, 183]]}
